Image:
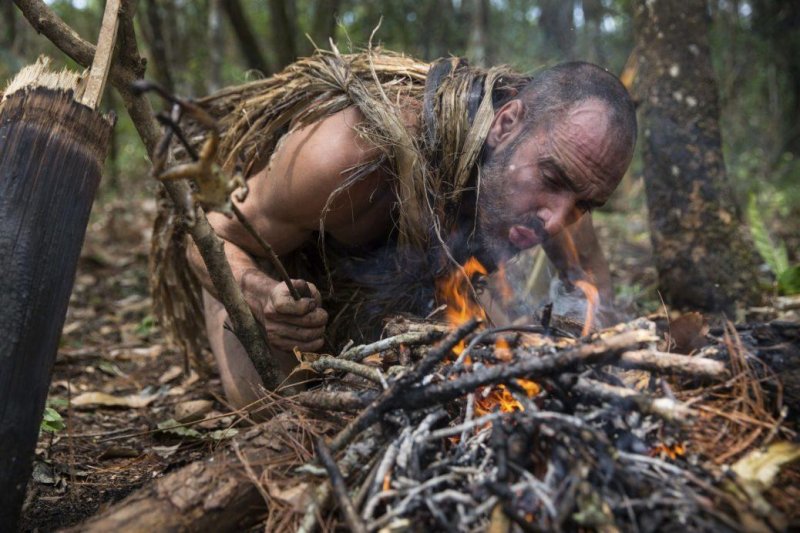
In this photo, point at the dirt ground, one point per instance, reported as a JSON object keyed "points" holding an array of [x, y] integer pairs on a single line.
{"points": [[115, 382]]}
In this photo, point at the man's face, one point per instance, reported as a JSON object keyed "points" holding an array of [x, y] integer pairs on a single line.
{"points": [[533, 185]]}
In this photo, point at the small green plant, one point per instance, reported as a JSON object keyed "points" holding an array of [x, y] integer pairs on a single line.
{"points": [[52, 422], [775, 256], [146, 326]]}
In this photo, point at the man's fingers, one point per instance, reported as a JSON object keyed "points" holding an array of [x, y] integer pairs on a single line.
{"points": [[284, 304], [315, 319], [294, 333], [311, 342], [307, 290]]}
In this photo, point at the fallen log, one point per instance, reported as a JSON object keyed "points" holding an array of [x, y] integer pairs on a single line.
{"points": [[216, 494]]}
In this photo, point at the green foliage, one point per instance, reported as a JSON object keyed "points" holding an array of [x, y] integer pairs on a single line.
{"points": [[52, 422], [789, 281], [146, 326], [775, 256], [172, 427]]}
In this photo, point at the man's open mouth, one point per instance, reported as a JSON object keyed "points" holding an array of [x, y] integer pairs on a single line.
{"points": [[523, 237]]}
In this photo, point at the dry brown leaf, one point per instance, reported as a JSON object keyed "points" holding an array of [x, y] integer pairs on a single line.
{"points": [[91, 399], [172, 373]]}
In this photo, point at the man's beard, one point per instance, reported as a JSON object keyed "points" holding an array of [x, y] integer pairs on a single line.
{"points": [[489, 243]]}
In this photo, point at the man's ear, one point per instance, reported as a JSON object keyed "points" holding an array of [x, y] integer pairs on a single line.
{"points": [[507, 122]]}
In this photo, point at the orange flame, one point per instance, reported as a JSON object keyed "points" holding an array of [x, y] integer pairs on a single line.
{"points": [[589, 289], [506, 292], [502, 350], [457, 293], [591, 294], [672, 451], [501, 396]]}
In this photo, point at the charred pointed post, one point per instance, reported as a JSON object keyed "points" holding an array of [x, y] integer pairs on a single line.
{"points": [[52, 150]]}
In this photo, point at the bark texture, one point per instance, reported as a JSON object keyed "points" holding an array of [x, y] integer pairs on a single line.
{"points": [[217, 494], [702, 250], [51, 156]]}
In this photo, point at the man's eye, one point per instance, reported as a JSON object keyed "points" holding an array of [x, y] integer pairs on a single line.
{"points": [[552, 182]]}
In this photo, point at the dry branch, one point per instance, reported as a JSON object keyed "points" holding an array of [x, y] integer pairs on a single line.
{"points": [[669, 362]]}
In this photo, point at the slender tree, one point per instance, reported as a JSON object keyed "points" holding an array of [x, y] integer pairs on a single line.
{"points": [[479, 34], [324, 24], [283, 31], [248, 42], [155, 38], [558, 27], [703, 256]]}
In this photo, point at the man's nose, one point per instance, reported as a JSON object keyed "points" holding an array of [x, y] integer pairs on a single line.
{"points": [[557, 216]]}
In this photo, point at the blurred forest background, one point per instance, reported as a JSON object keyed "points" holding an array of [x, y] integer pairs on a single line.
{"points": [[197, 46]]}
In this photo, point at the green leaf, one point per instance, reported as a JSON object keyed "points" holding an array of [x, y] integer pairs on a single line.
{"points": [[172, 427], [776, 257], [222, 434], [789, 281], [51, 421], [144, 328]]}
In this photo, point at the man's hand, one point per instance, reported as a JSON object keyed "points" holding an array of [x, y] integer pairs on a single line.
{"points": [[291, 322]]}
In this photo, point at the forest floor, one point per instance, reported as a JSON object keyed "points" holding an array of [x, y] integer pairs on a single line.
{"points": [[116, 383]]}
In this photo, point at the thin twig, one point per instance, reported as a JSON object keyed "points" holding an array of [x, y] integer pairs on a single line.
{"points": [[412, 338], [271, 255]]}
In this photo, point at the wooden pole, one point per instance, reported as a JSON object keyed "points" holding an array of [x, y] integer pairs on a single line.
{"points": [[51, 157]]}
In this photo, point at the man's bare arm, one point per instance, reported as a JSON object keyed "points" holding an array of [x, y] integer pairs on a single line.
{"points": [[285, 203]]}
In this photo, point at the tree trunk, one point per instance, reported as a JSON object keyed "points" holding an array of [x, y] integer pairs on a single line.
{"points": [[703, 255], [153, 33], [778, 22], [480, 29], [324, 25], [216, 49], [558, 27], [593, 12], [248, 43], [283, 31]]}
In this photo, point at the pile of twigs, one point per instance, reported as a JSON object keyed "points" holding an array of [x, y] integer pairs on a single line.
{"points": [[467, 442]]}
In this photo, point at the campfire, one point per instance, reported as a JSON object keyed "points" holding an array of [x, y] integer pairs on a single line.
{"points": [[454, 424], [462, 426]]}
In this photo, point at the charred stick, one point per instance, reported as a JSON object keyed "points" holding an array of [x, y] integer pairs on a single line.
{"points": [[666, 408], [669, 362], [390, 397], [339, 487], [604, 351], [411, 338], [335, 401], [271, 255]]}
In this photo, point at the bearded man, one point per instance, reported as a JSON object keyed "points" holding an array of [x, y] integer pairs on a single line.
{"points": [[372, 175]]}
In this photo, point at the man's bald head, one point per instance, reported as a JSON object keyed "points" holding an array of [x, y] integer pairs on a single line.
{"points": [[553, 91]]}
